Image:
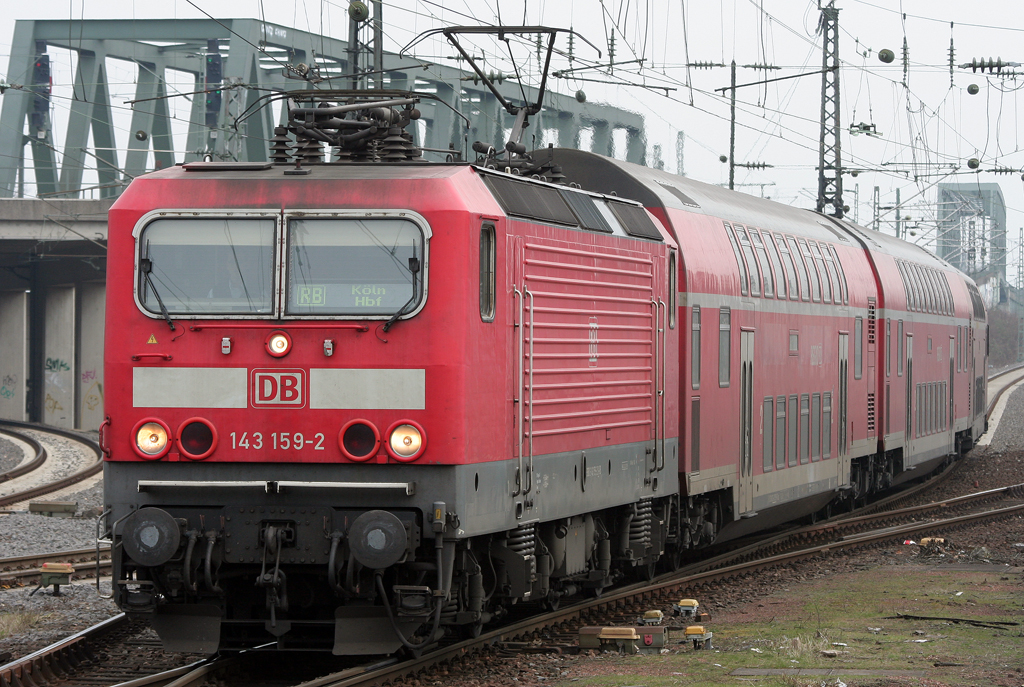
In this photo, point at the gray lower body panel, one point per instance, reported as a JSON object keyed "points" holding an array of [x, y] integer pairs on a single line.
{"points": [[483, 495]]}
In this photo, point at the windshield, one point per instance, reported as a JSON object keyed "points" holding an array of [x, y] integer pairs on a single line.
{"points": [[349, 266], [209, 266]]}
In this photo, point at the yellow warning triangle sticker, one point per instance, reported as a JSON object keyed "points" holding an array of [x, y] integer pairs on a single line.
{"points": [[152, 339]]}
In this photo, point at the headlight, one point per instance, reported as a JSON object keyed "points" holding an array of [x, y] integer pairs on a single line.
{"points": [[278, 344], [197, 438], [152, 439], [406, 441]]}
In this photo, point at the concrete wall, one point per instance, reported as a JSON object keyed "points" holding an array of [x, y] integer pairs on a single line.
{"points": [[59, 358], [90, 356], [13, 354]]}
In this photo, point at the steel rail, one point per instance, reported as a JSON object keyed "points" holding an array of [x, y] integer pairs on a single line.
{"points": [[26, 569], [1018, 369], [82, 474], [28, 466], [664, 587], [54, 662]]}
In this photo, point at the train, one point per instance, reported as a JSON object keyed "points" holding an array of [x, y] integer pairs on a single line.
{"points": [[363, 403]]}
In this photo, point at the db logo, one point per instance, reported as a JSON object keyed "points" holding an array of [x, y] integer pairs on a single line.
{"points": [[277, 388]]}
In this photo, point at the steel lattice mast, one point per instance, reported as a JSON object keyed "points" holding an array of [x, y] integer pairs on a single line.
{"points": [[830, 170]]}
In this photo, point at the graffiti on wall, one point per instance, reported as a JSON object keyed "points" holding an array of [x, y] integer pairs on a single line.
{"points": [[93, 398], [52, 405], [57, 365], [8, 386]]}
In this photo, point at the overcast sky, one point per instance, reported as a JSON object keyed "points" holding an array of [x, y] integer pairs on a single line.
{"points": [[928, 128]]}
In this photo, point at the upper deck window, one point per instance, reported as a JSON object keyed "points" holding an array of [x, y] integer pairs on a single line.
{"points": [[207, 266], [354, 266]]}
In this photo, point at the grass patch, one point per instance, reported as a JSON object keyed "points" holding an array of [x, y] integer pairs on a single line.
{"points": [[15, 623], [845, 623]]}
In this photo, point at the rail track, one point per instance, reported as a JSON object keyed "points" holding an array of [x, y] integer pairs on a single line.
{"points": [[16, 429], [24, 570], [881, 522], [559, 626]]}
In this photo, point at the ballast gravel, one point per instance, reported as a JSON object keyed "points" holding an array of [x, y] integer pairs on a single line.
{"points": [[25, 534], [10, 455], [49, 618]]}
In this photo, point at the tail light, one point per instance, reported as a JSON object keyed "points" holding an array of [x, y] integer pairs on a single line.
{"points": [[406, 441], [151, 438], [197, 438], [359, 440]]}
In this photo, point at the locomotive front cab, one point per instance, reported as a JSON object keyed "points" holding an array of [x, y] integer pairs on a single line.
{"points": [[259, 426], [323, 432]]}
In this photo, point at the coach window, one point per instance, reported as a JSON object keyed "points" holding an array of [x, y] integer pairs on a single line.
{"points": [[724, 331], [739, 259], [805, 286], [826, 425], [929, 288], [787, 260], [794, 420], [920, 304], [767, 417], [842, 276], [906, 284], [933, 281], [858, 347], [826, 288], [672, 290], [780, 273], [805, 429], [888, 347], [812, 270], [780, 432], [815, 427], [695, 347], [899, 348], [766, 267], [917, 403], [833, 276], [958, 330], [752, 267], [357, 266], [487, 273], [208, 266], [919, 295]]}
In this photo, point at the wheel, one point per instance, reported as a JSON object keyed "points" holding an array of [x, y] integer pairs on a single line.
{"points": [[472, 630], [672, 560], [645, 572], [551, 602]]}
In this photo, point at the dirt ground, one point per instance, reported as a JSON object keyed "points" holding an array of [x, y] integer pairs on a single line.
{"points": [[836, 619]]}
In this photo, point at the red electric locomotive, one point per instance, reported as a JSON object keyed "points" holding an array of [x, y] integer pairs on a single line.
{"points": [[355, 405]]}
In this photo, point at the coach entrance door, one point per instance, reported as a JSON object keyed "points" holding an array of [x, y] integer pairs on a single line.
{"points": [[746, 486], [950, 412], [842, 423]]}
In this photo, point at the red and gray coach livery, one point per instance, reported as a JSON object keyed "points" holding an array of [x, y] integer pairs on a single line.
{"points": [[355, 405]]}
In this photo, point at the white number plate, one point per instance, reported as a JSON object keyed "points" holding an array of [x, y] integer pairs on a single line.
{"points": [[277, 441]]}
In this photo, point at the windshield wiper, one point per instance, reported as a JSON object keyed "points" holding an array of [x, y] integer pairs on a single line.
{"points": [[414, 267], [146, 265]]}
